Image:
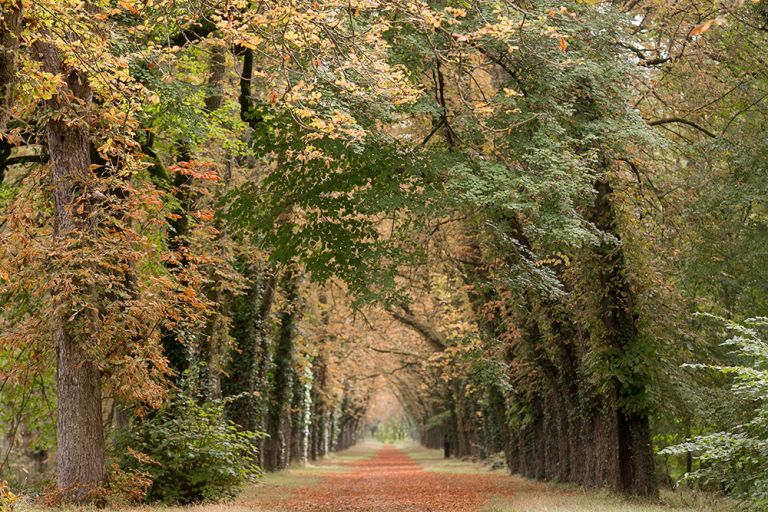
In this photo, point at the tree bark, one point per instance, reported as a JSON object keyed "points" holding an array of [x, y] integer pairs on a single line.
{"points": [[247, 370], [80, 436], [279, 418], [10, 31], [631, 424], [214, 348]]}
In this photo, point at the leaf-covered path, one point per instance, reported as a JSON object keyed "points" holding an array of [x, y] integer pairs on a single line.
{"points": [[393, 481], [377, 478]]}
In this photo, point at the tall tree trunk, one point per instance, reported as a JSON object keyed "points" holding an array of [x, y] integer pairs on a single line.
{"points": [[214, 349], [10, 32], [278, 421], [178, 241], [80, 433], [247, 370], [317, 427], [617, 314]]}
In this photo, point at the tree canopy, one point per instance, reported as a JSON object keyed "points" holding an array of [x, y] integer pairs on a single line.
{"points": [[528, 224]]}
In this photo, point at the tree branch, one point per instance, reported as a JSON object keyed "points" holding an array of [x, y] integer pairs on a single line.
{"points": [[427, 332], [680, 120], [27, 159], [396, 352], [195, 32]]}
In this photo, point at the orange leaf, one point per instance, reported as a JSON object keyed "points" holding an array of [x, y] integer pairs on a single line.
{"points": [[128, 6], [701, 28], [563, 44]]}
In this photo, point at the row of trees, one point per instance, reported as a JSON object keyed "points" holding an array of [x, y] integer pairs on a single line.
{"points": [[591, 237], [134, 258], [508, 212]]}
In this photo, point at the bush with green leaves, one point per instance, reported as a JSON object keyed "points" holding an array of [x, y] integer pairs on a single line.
{"points": [[736, 460], [190, 451]]}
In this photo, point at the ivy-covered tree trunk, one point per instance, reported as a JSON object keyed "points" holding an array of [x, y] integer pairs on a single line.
{"points": [[247, 370], [319, 426], [462, 434], [317, 444], [175, 349], [301, 406], [277, 444], [618, 318], [80, 436], [181, 225]]}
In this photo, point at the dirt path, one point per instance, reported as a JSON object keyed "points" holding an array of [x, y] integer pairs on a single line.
{"points": [[393, 481]]}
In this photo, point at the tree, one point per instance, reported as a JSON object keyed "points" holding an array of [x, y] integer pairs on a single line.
{"points": [[81, 465]]}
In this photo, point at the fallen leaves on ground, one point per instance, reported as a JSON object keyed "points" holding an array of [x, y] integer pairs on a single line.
{"points": [[392, 481]]}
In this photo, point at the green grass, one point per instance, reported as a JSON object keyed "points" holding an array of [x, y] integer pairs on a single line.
{"points": [[549, 497], [530, 496], [434, 461]]}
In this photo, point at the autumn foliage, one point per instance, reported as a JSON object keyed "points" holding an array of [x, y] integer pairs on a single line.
{"points": [[238, 235]]}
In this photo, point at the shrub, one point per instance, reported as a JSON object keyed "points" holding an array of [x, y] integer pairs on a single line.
{"points": [[7, 498], [190, 452], [736, 460]]}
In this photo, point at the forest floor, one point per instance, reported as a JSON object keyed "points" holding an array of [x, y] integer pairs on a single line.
{"points": [[372, 477], [408, 478]]}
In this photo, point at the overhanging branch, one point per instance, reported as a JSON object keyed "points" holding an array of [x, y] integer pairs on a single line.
{"points": [[680, 120], [426, 331]]}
